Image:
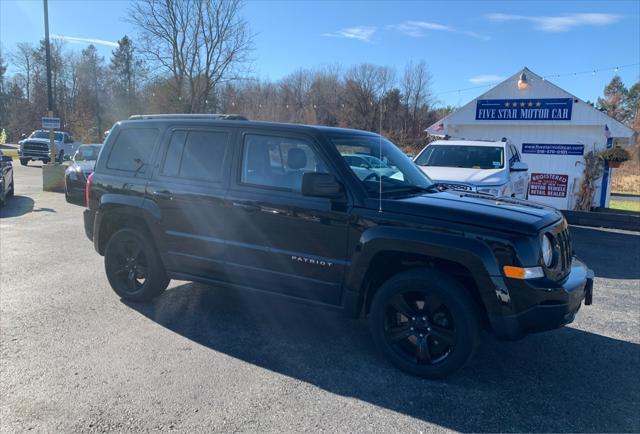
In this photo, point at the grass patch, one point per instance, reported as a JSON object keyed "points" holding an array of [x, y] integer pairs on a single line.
{"points": [[626, 205]]}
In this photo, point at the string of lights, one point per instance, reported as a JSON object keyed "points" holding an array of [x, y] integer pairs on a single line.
{"points": [[544, 77], [341, 104]]}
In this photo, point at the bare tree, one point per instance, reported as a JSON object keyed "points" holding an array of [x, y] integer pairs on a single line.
{"points": [[200, 43], [22, 58], [416, 95]]}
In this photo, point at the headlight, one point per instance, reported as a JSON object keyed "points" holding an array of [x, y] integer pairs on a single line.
{"points": [[547, 250], [494, 190]]}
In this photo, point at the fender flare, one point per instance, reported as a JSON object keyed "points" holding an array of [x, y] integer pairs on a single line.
{"points": [[452, 246], [135, 206]]}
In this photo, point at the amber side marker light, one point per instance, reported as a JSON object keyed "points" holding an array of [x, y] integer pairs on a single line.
{"points": [[522, 273]]}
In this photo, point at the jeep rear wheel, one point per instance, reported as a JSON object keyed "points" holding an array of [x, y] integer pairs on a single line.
{"points": [[24, 161], [425, 322], [133, 267]]}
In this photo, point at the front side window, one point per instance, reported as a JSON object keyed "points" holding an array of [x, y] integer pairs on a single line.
{"points": [[463, 156], [132, 150], [379, 164], [196, 155], [279, 162]]}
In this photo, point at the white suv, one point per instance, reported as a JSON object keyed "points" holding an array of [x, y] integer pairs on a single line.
{"points": [[482, 166]]}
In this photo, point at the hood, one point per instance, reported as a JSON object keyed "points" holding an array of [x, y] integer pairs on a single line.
{"points": [[43, 141], [85, 166], [464, 175], [504, 214]]}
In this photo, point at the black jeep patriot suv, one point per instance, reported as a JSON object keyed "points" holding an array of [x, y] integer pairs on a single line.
{"points": [[278, 208]]}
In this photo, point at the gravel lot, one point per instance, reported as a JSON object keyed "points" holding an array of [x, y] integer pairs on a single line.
{"points": [[74, 357]]}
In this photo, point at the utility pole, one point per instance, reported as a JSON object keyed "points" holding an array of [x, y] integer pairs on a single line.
{"points": [[52, 144]]}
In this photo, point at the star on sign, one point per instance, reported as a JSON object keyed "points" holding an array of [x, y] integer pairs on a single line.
{"points": [[515, 104], [506, 104], [538, 104], [522, 104], [529, 104]]}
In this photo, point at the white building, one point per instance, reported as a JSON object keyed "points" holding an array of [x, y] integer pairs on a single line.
{"points": [[551, 128]]}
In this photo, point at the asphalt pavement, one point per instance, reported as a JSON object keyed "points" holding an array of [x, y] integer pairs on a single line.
{"points": [[74, 357]]}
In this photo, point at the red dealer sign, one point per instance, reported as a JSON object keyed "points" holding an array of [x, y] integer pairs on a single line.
{"points": [[548, 184]]}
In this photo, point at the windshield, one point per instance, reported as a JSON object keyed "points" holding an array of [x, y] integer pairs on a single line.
{"points": [[45, 135], [86, 153], [379, 163], [470, 157]]}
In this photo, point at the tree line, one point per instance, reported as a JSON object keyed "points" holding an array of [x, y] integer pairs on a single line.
{"points": [[195, 57]]}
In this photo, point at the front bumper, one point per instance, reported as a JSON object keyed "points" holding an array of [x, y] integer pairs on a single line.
{"points": [[548, 305]]}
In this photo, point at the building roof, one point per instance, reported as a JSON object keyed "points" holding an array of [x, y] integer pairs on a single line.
{"points": [[583, 113]]}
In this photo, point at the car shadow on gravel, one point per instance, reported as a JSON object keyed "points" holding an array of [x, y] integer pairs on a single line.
{"points": [[16, 206], [561, 381], [594, 247]]}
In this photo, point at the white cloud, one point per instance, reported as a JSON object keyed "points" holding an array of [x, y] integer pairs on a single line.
{"points": [[560, 23], [417, 29], [486, 78], [361, 33], [84, 41]]}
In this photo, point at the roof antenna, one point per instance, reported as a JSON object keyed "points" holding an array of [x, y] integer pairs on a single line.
{"points": [[380, 151]]}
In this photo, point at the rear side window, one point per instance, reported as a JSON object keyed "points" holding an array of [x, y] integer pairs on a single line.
{"points": [[196, 155], [132, 150]]}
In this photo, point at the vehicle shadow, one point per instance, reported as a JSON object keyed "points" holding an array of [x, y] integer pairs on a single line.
{"points": [[561, 381], [590, 244], [16, 206]]}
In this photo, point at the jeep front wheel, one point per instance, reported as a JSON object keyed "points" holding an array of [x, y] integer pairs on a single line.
{"points": [[425, 322], [133, 267]]}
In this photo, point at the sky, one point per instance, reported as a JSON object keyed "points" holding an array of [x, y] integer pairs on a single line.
{"points": [[468, 46]]}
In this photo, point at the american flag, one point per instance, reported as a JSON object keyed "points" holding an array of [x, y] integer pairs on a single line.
{"points": [[607, 132]]}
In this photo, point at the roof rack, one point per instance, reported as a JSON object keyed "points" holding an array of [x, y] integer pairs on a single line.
{"points": [[216, 116]]}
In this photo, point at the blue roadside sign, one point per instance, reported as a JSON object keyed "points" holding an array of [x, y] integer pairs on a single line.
{"points": [[49, 123]]}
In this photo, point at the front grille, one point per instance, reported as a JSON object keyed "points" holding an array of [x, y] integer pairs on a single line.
{"points": [[462, 187], [565, 250], [37, 147]]}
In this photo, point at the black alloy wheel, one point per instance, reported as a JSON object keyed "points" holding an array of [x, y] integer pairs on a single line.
{"points": [[425, 322], [420, 328], [133, 267]]}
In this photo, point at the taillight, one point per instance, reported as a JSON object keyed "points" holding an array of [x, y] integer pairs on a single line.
{"points": [[86, 189]]}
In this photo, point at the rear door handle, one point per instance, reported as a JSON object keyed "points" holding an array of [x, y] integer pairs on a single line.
{"points": [[163, 194]]}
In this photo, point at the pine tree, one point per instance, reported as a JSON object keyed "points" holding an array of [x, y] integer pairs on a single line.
{"points": [[614, 101]]}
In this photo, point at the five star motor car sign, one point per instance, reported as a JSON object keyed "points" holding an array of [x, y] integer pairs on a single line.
{"points": [[548, 184], [545, 109]]}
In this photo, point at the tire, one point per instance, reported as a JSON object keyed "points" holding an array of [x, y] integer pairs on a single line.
{"points": [[60, 157], [439, 330], [24, 161], [141, 278]]}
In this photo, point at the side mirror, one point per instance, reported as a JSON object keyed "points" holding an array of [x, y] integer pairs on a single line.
{"points": [[321, 185], [6, 158], [519, 166]]}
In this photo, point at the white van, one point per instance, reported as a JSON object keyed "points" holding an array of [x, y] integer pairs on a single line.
{"points": [[481, 166]]}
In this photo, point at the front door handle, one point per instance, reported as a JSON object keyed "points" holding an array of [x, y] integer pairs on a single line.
{"points": [[163, 194], [245, 206]]}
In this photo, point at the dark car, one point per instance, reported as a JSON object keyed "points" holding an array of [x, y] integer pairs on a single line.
{"points": [[276, 208], [75, 177], [6, 178]]}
